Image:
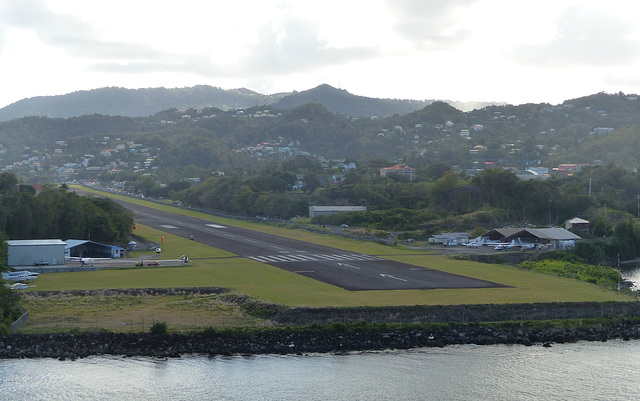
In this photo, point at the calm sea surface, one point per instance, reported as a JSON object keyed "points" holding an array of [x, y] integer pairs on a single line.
{"points": [[582, 371]]}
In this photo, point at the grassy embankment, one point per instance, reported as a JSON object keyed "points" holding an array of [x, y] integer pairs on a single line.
{"points": [[216, 268]]}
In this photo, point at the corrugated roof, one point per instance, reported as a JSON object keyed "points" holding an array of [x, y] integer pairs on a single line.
{"points": [[577, 220], [71, 243], [554, 234], [450, 235], [31, 242], [341, 208], [544, 233], [507, 232]]}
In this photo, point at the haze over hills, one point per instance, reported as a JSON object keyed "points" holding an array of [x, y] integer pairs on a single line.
{"points": [[148, 101]]}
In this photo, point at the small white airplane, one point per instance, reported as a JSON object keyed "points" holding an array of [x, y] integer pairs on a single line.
{"points": [[475, 244], [505, 245], [86, 261], [18, 277], [18, 286], [22, 273], [526, 245]]}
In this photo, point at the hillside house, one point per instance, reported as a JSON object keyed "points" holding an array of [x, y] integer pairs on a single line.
{"points": [[577, 224], [399, 169]]}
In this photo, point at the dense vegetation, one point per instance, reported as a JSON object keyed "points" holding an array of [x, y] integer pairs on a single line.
{"points": [[277, 160], [58, 213], [595, 274], [10, 309]]}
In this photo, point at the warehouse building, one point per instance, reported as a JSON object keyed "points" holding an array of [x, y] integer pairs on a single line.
{"points": [[37, 252], [556, 238], [326, 210]]}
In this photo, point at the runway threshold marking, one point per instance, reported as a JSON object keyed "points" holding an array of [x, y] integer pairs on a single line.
{"points": [[313, 258]]}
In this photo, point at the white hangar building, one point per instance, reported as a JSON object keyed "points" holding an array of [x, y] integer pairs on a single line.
{"points": [[36, 252]]}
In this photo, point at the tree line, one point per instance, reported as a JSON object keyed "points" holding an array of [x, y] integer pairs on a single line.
{"points": [[56, 212]]}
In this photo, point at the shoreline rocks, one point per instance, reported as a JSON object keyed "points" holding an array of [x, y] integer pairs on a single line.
{"points": [[329, 339]]}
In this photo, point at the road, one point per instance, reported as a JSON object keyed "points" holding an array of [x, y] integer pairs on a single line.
{"points": [[348, 270]]}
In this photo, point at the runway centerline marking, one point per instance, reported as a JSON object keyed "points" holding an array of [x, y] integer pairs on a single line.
{"points": [[348, 265], [393, 277], [167, 226], [215, 226]]}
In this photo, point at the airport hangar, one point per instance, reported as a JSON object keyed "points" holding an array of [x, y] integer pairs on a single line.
{"points": [[51, 252], [35, 252], [556, 238]]}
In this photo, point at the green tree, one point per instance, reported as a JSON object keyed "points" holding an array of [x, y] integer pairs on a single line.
{"points": [[626, 239]]}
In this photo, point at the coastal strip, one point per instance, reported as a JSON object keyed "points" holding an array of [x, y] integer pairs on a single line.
{"points": [[333, 338]]}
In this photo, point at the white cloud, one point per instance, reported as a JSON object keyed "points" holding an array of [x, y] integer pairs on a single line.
{"points": [[584, 37], [504, 50], [429, 23], [295, 47]]}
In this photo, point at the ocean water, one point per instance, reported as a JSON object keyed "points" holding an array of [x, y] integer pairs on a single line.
{"points": [[580, 371]]}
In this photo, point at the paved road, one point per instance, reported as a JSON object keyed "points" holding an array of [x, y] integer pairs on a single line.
{"points": [[348, 270]]}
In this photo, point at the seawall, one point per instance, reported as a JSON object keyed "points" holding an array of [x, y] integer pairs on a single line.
{"points": [[336, 338]]}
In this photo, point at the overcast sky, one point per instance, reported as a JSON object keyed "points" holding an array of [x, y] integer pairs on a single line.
{"points": [[471, 50]]}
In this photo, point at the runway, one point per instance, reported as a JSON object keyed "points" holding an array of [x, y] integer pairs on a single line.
{"points": [[348, 270]]}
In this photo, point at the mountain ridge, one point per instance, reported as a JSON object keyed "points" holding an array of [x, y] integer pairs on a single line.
{"points": [[117, 101]]}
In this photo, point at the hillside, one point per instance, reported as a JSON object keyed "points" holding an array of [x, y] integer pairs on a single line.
{"points": [[343, 102], [145, 102], [174, 144], [132, 102]]}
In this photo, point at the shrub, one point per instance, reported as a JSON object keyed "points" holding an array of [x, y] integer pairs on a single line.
{"points": [[158, 328]]}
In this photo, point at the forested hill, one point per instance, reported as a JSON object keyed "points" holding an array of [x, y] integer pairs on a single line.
{"points": [[343, 102], [145, 102], [133, 102]]}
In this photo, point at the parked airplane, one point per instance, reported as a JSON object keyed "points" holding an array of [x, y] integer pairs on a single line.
{"points": [[86, 261], [475, 243], [18, 286], [505, 245], [525, 245], [22, 273], [21, 277]]}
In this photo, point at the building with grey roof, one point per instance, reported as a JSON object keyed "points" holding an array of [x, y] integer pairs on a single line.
{"points": [[35, 252], [554, 237]]}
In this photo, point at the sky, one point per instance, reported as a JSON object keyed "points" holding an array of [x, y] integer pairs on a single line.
{"points": [[510, 51]]}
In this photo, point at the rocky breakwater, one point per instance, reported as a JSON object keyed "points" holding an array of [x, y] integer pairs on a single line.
{"points": [[336, 338]]}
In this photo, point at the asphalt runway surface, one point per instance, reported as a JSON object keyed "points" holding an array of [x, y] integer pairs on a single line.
{"points": [[348, 270]]}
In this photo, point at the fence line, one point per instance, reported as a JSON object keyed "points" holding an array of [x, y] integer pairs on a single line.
{"points": [[15, 326]]}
